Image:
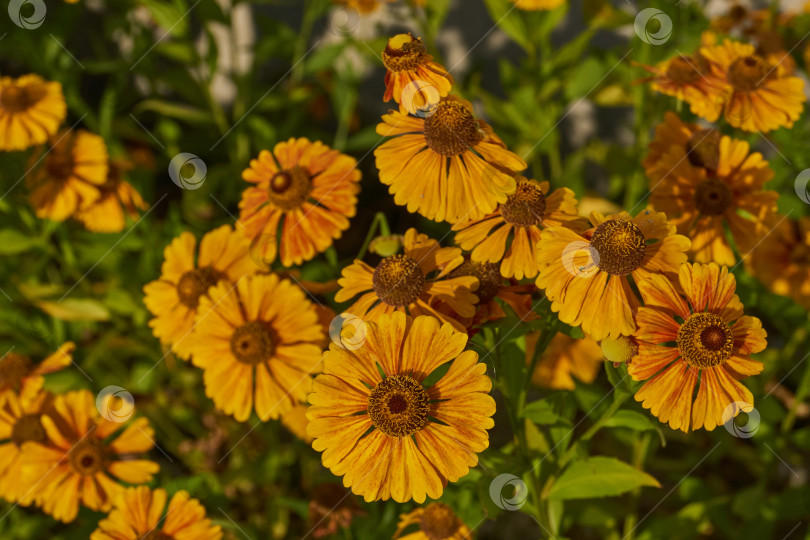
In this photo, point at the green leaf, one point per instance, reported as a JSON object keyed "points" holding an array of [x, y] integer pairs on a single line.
{"points": [[172, 16], [635, 421], [599, 477], [76, 309], [540, 412], [174, 110], [13, 241], [509, 20]]}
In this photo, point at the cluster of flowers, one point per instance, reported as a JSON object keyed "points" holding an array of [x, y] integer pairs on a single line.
{"points": [[59, 451], [70, 175]]}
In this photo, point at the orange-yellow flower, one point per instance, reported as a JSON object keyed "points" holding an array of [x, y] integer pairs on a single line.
{"points": [[389, 436], [435, 520], [413, 79], [514, 228], [706, 183], [447, 166], [782, 262], [139, 513], [587, 276], [70, 176], [117, 201], [20, 422], [259, 344], [537, 5], [758, 96], [82, 457], [186, 276], [411, 282], [564, 359], [31, 110], [698, 337], [304, 191], [21, 376]]}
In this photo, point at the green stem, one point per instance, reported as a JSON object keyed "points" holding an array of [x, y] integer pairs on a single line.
{"points": [[640, 449], [615, 406], [379, 221]]}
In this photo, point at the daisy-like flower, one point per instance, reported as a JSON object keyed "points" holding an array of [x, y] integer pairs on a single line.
{"points": [[564, 359], [448, 166], [141, 513], [586, 276], [514, 228], [174, 298], [758, 97], [73, 170], [491, 288], [20, 375], [411, 282], [706, 183], [782, 263], [82, 456], [381, 429], [433, 521], [258, 343], [20, 422], [700, 337], [413, 79], [537, 5], [118, 199], [304, 189], [690, 78], [31, 110], [363, 7], [620, 350]]}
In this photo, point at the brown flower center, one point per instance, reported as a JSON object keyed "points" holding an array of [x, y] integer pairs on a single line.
{"points": [[196, 283], [398, 280], [88, 457], [685, 69], [398, 406], [705, 340], [290, 188], [15, 98], [703, 149], [439, 521], [748, 73], [252, 343], [620, 246], [712, 197], [525, 207], [28, 428], [60, 163], [451, 129], [14, 368], [404, 52], [489, 278]]}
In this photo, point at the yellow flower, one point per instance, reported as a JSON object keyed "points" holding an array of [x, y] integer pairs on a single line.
{"points": [[690, 78], [411, 282], [758, 96], [304, 189], [697, 337], [118, 199], [418, 438], [448, 166], [537, 5], [31, 110], [258, 343], [139, 513], [564, 359], [782, 262], [81, 456], [19, 375], [73, 170], [434, 521], [410, 69], [706, 182], [514, 228], [587, 276], [174, 298], [20, 422]]}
